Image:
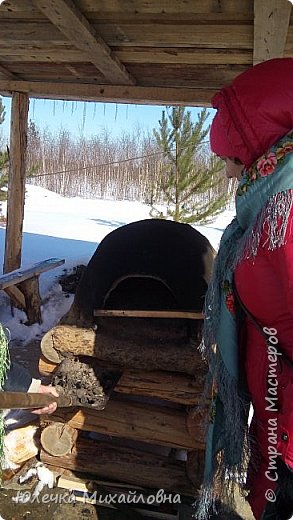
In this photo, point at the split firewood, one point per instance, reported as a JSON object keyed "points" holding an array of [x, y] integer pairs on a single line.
{"points": [[21, 445]]}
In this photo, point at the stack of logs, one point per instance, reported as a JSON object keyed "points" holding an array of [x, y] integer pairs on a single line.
{"points": [[149, 420]]}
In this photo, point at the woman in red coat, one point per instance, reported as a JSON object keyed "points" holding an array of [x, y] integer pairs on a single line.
{"points": [[248, 334]]}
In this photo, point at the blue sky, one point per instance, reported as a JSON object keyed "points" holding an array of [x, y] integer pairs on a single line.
{"points": [[90, 118]]}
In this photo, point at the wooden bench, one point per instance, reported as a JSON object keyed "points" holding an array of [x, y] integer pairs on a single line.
{"points": [[22, 286]]}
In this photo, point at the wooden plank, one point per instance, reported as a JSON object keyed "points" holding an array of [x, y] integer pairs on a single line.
{"points": [[17, 6], [29, 32], [201, 36], [165, 6], [140, 6], [48, 71], [138, 421], [271, 22], [128, 465], [148, 314], [173, 75], [57, 55], [224, 35], [129, 55], [19, 275], [181, 55], [16, 183], [16, 48], [134, 12], [110, 93], [179, 18], [196, 76], [71, 22]]}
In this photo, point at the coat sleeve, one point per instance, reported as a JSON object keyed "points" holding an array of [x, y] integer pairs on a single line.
{"points": [[18, 379]]}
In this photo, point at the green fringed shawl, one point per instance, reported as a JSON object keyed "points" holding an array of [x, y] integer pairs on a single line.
{"points": [[264, 197]]}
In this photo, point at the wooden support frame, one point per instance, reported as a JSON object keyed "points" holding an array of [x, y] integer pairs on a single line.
{"points": [[32, 271], [22, 286], [269, 34], [71, 22], [112, 313], [16, 183], [196, 97]]}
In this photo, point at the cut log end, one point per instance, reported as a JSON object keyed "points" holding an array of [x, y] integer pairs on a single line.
{"points": [[48, 350], [58, 439]]}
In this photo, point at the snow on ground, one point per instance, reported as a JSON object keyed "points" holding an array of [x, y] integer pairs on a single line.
{"points": [[55, 226]]}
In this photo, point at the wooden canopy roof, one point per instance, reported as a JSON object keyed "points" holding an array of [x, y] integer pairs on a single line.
{"points": [[142, 51]]}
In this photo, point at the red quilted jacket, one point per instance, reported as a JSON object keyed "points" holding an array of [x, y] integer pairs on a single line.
{"points": [[254, 112], [265, 285]]}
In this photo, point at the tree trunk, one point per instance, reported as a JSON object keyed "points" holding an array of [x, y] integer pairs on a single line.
{"points": [[127, 465], [169, 386], [123, 353], [145, 422]]}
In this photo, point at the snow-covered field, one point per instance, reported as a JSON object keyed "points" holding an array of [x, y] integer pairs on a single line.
{"points": [[55, 226]]}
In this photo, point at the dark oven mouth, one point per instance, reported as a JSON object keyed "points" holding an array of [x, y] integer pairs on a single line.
{"points": [[147, 293]]}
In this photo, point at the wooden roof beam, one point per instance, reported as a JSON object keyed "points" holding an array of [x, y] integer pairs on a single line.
{"points": [[271, 23], [7, 73], [196, 97], [73, 24]]}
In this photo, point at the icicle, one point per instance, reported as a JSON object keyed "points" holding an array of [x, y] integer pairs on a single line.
{"points": [[34, 105], [83, 115]]}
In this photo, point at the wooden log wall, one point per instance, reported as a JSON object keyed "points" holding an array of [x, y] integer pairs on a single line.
{"points": [[152, 409]]}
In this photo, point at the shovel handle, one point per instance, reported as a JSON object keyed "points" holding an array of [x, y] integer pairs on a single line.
{"points": [[26, 400]]}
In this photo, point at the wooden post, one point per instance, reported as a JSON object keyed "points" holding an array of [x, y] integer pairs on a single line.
{"points": [[16, 183], [15, 208]]}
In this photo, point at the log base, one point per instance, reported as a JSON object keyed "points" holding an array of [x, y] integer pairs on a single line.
{"points": [[128, 466]]}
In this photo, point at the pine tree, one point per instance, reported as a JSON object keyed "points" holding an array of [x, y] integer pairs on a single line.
{"points": [[190, 185]]}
